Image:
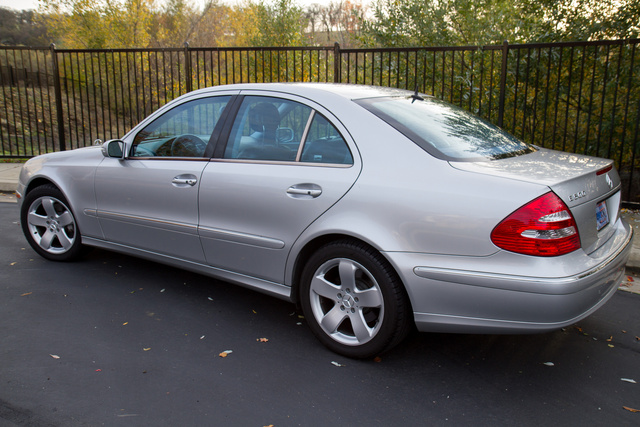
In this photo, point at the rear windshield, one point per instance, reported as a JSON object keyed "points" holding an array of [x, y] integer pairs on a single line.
{"points": [[445, 131]]}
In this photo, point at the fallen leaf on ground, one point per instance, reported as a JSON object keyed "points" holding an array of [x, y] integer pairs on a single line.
{"points": [[377, 359], [630, 279], [125, 323], [337, 364], [549, 364], [25, 294], [13, 263], [610, 338], [611, 345], [629, 380], [262, 339], [55, 356], [631, 409], [146, 349], [225, 353]]}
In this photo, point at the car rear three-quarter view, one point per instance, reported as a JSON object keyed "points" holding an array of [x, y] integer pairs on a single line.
{"points": [[373, 209]]}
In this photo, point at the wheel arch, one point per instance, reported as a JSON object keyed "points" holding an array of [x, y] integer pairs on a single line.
{"points": [[313, 245], [39, 182]]}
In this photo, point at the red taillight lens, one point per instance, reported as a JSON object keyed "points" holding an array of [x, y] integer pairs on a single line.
{"points": [[542, 227]]}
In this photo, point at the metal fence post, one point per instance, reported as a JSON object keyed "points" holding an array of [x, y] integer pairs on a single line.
{"points": [[337, 63], [187, 66], [503, 82], [58, 94]]}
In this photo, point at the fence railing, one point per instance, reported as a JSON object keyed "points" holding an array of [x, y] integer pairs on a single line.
{"points": [[580, 97]]}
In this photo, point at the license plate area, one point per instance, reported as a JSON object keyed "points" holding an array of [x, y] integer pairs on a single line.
{"points": [[602, 216]]}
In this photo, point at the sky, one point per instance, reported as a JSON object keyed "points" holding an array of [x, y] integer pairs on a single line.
{"points": [[33, 4]]}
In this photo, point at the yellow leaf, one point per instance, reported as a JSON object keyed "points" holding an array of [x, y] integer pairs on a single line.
{"points": [[13, 263], [147, 349], [28, 293], [610, 338], [631, 409], [125, 323]]}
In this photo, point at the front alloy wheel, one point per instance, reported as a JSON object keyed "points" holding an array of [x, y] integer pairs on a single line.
{"points": [[49, 224], [353, 300]]}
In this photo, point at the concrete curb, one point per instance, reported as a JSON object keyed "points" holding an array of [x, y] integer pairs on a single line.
{"points": [[9, 173]]}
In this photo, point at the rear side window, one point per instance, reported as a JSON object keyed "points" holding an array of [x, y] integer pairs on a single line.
{"points": [[325, 144], [445, 131], [277, 129]]}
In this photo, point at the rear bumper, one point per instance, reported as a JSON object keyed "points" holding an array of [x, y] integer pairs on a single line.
{"points": [[509, 293]]}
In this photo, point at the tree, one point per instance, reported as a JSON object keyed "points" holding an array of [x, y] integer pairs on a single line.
{"points": [[97, 24], [584, 19], [472, 22], [21, 28], [279, 24], [336, 22], [444, 22]]}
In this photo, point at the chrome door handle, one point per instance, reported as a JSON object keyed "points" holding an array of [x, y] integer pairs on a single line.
{"points": [[182, 181], [306, 191]]}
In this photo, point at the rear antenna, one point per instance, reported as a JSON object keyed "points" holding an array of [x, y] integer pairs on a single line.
{"points": [[416, 96]]}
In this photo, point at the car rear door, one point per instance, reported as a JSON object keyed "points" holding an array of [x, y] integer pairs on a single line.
{"points": [[259, 194]]}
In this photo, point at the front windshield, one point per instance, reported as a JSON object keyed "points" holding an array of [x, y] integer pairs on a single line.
{"points": [[445, 131]]}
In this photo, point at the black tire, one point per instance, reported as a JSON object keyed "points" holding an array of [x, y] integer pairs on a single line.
{"points": [[353, 300], [50, 225]]}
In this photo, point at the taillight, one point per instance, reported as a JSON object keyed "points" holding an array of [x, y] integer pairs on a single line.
{"points": [[542, 227]]}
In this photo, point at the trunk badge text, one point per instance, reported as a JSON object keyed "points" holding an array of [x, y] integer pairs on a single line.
{"points": [[578, 195], [609, 181]]}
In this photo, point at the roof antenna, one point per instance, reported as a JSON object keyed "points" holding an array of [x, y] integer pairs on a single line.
{"points": [[416, 96]]}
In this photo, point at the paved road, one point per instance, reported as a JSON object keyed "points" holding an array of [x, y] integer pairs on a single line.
{"points": [[119, 341]]}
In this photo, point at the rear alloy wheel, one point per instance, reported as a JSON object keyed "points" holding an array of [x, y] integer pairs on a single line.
{"points": [[49, 224], [353, 300]]}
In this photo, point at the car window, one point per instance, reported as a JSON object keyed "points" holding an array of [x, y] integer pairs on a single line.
{"points": [[324, 144], [268, 128], [183, 131], [445, 131]]}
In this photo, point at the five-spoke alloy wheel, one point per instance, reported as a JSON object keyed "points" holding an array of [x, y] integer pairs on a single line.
{"points": [[49, 224], [353, 300]]}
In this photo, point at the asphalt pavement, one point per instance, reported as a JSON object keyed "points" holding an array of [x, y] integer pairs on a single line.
{"points": [[117, 341]]}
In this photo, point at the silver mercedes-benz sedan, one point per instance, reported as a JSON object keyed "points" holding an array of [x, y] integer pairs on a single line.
{"points": [[375, 210]]}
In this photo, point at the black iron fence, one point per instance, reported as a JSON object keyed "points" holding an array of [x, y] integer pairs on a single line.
{"points": [[580, 97]]}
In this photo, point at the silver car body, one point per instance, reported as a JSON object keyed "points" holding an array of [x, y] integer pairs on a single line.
{"points": [[254, 222]]}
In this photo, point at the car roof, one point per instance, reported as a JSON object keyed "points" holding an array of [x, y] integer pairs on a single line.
{"points": [[344, 90]]}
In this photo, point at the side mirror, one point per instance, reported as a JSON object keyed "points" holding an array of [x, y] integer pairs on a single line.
{"points": [[113, 148]]}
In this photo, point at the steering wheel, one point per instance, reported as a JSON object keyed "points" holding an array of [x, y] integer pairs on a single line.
{"points": [[188, 145]]}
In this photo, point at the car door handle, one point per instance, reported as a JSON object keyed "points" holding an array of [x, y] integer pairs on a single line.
{"points": [[184, 180], [304, 191]]}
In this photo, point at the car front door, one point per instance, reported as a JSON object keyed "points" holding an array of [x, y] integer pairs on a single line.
{"points": [[149, 199], [284, 165]]}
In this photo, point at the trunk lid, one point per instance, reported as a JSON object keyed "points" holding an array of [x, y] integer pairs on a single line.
{"points": [[589, 186]]}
